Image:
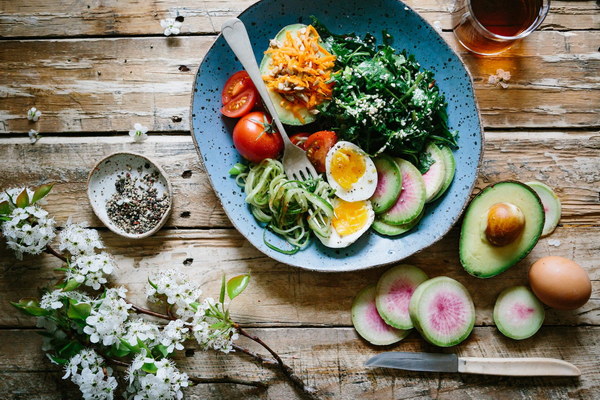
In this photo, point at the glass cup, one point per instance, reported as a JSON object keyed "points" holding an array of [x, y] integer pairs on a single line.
{"points": [[489, 27]]}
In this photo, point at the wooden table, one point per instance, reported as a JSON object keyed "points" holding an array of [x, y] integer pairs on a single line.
{"points": [[97, 67]]}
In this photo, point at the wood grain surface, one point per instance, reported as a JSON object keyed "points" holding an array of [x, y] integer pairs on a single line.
{"points": [[96, 67]]}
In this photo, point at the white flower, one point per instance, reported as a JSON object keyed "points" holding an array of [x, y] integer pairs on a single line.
{"points": [[207, 337], [143, 330], [34, 136], [28, 231], [138, 133], [178, 290], [166, 383], [33, 114], [53, 300], [87, 371], [79, 241], [90, 270], [106, 321], [171, 26], [173, 335]]}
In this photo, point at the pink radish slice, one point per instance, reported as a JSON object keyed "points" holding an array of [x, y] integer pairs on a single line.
{"points": [[368, 323], [394, 290], [411, 201], [434, 177], [518, 314], [442, 311], [389, 184]]}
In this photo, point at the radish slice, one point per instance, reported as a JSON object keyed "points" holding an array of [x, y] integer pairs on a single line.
{"points": [[442, 310], [436, 174], [551, 203], [394, 290], [368, 323], [411, 201], [518, 314]]}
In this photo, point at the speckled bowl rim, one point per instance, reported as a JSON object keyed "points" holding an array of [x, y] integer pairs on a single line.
{"points": [[109, 224], [349, 269]]}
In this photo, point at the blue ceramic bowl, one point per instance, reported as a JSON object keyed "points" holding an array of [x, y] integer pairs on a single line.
{"points": [[212, 132]]}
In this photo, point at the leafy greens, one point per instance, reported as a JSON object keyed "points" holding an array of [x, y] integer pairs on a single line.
{"points": [[383, 100]]}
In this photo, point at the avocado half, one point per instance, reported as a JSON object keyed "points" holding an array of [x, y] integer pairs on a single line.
{"points": [[286, 116], [478, 256]]}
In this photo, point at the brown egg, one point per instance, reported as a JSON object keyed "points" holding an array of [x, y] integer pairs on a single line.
{"points": [[560, 283]]}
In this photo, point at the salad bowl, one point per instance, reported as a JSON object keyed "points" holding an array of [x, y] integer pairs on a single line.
{"points": [[212, 132]]}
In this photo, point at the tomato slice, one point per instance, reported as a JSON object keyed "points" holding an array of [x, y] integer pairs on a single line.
{"points": [[240, 105], [299, 139], [317, 146], [235, 85]]}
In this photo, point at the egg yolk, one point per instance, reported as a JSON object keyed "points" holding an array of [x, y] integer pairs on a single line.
{"points": [[349, 217], [347, 167]]}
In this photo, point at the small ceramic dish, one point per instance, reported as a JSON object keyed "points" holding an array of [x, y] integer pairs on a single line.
{"points": [[101, 186]]}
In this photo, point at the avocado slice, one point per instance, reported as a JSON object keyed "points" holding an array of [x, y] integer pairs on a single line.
{"points": [[286, 116], [478, 256]]}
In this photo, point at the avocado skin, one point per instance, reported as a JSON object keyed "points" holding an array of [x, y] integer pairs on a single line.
{"points": [[495, 260]]}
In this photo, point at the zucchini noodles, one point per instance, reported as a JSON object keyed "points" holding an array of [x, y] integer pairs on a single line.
{"points": [[289, 208]]}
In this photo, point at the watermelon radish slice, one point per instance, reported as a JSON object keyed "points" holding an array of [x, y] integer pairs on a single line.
{"points": [[442, 310], [450, 164], [389, 184], [434, 177], [411, 201], [395, 230], [368, 323], [394, 290], [518, 314], [551, 204]]}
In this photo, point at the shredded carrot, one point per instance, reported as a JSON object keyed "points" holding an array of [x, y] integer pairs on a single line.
{"points": [[300, 71]]}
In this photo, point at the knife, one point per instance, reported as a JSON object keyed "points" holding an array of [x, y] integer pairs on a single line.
{"points": [[535, 366]]}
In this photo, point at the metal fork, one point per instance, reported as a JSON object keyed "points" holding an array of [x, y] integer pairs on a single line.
{"points": [[295, 163]]}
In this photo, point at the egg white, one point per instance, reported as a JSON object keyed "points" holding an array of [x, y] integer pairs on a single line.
{"points": [[334, 240], [362, 189]]}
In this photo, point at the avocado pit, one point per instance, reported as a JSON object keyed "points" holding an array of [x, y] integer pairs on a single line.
{"points": [[505, 222]]}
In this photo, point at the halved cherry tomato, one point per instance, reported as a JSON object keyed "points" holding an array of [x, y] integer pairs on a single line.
{"points": [[317, 146], [299, 139], [255, 138], [235, 85], [240, 105]]}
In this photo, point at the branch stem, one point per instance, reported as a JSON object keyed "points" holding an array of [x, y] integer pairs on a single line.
{"points": [[55, 253], [141, 310], [226, 379]]}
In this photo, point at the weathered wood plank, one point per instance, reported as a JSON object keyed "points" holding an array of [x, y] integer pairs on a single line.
{"points": [[332, 360], [566, 161], [93, 85], [283, 295], [55, 18]]}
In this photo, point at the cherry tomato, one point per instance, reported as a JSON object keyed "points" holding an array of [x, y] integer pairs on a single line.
{"points": [[255, 138], [299, 139], [317, 146], [235, 85], [241, 104]]}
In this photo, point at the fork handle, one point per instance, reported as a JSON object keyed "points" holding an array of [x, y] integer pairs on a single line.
{"points": [[236, 36]]}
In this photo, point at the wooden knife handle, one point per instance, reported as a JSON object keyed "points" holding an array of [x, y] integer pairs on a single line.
{"points": [[517, 366]]}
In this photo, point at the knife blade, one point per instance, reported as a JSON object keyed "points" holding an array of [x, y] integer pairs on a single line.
{"points": [[436, 362]]}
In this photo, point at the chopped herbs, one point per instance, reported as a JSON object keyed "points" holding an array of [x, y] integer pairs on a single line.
{"points": [[136, 207], [383, 100]]}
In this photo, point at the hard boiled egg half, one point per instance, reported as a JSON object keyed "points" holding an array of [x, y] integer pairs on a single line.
{"points": [[351, 172], [350, 220]]}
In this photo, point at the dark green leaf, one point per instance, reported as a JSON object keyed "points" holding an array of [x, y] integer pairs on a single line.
{"points": [[149, 368], [57, 360], [222, 294], [237, 284], [41, 192], [4, 218], [78, 311], [161, 350], [30, 306], [71, 349], [119, 350], [23, 199], [5, 207]]}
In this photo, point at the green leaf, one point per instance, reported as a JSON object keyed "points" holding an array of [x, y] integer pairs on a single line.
{"points": [[30, 306], [4, 218], [70, 285], [41, 192], [143, 345], [78, 311], [162, 350], [5, 207], [71, 349], [222, 294], [133, 349], [152, 284], [149, 368], [237, 284], [23, 199], [195, 305], [10, 199], [57, 360], [119, 350]]}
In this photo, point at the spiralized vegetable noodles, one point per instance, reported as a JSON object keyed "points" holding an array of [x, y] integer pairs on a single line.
{"points": [[289, 208]]}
